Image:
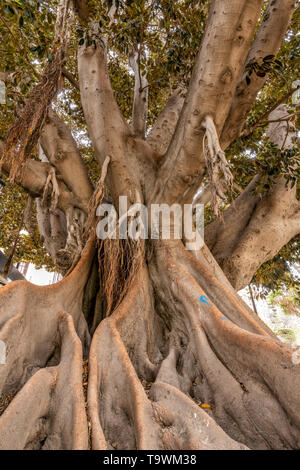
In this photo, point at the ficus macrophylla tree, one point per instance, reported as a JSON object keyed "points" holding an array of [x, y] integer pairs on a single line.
{"points": [[176, 359]]}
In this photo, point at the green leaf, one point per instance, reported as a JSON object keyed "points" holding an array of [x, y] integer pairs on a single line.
{"points": [[268, 58]]}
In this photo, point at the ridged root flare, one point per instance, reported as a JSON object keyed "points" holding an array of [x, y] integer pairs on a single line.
{"points": [[166, 369]]}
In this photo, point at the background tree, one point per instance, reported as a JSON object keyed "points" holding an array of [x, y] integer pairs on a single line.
{"points": [[159, 98]]}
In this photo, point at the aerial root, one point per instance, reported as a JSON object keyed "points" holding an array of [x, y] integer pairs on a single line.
{"points": [[41, 397], [185, 424], [68, 257], [28, 322], [96, 199], [120, 412], [216, 162], [51, 189]]}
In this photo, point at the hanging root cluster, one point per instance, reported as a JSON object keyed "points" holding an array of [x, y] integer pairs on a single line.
{"points": [[24, 133], [119, 261], [217, 165]]}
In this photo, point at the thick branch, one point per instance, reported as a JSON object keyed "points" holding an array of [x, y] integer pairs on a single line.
{"points": [[110, 133], [62, 152], [34, 177], [105, 123], [222, 237], [82, 9], [256, 229], [162, 132], [219, 64], [52, 228], [268, 41]]}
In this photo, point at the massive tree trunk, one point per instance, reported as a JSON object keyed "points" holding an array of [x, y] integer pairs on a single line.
{"points": [[175, 358]]}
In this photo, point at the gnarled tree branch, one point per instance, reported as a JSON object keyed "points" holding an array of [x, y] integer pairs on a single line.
{"points": [[54, 220], [216, 163]]}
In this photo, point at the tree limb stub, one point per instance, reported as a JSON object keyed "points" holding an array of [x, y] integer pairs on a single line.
{"points": [[62, 152]]}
